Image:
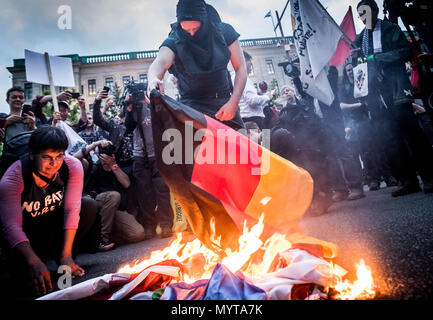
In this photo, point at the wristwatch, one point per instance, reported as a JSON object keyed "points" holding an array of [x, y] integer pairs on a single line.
{"points": [[115, 167]]}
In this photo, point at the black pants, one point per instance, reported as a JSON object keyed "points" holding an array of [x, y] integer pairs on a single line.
{"points": [[152, 195], [406, 145], [347, 170]]}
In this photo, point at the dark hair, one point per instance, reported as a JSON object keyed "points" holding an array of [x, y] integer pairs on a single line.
{"points": [[247, 56], [47, 137], [371, 3], [13, 89]]}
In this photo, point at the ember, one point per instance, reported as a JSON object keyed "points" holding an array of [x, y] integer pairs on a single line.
{"points": [[259, 260]]}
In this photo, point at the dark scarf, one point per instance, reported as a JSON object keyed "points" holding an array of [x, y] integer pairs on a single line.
{"points": [[206, 51]]}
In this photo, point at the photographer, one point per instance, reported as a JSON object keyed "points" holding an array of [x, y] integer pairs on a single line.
{"points": [[251, 104], [107, 184], [151, 192], [118, 134], [16, 128]]}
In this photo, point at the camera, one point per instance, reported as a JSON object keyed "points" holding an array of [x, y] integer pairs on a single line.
{"points": [[26, 110], [137, 93], [290, 69]]}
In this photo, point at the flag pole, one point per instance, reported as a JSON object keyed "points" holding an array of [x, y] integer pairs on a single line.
{"points": [[273, 24], [346, 38], [50, 78]]}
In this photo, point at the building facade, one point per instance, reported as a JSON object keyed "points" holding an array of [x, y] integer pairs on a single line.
{"points": [[92, 73]]}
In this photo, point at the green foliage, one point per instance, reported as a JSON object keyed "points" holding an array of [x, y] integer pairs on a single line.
{"points": [[117, 93], [274, 86], [74, 114]]}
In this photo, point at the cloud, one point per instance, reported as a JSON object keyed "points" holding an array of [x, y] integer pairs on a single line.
{"points": [[111, 26]]}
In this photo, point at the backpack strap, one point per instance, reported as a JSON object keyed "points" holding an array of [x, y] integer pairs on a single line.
{"points": [[27, 172]]}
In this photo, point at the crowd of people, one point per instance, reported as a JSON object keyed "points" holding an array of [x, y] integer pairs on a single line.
{"points": [[56, 205]]}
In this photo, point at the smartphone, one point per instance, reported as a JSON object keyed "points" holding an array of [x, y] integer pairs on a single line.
{"points": [[106, 89], [26, 110], [3, 123], [75, 95]]}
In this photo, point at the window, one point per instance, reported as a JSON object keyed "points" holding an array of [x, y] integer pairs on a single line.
{"points": [[45, 88], [28, 91], [109, 82], [92, 87], [143, 78], [125, 80], [270, 66]]}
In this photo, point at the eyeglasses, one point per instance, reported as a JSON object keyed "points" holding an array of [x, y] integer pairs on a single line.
{"points": [[48, 159]]}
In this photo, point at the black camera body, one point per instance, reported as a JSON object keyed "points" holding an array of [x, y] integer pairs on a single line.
{"points": [[137, 92]]}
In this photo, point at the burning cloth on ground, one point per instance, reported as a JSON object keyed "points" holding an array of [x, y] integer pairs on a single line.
{"points": [[267, 199]]}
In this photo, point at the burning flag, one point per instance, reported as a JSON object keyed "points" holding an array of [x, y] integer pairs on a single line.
{"points": [[217, 173]]}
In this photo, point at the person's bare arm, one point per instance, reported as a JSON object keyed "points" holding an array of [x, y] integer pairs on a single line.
{"points": [[228, 111], [66, 258], [158, 68], [38, 270]]}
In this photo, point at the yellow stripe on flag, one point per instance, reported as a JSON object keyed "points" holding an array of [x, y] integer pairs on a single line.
{"points": [[284, 193]]}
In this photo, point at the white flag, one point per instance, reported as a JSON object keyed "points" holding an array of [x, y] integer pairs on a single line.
{"points": [[316, 39]]}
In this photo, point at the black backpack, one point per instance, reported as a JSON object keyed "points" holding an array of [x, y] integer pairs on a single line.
{"points": [[14, 149]]}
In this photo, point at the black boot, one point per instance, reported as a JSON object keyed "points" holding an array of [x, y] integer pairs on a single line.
{"points": [[407, 188]]}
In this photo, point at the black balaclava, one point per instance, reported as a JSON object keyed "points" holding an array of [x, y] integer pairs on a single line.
{"points": [[204, 45], [191, 10]]}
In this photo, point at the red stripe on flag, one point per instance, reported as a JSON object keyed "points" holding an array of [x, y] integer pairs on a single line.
{"points": [[231, 183]]}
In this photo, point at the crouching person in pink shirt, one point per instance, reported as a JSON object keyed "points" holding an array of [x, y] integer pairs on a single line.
{"points": [[40, 201]]}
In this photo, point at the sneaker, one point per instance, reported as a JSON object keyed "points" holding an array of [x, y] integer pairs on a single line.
{"points": [[356, 194], [105, 246], [374, 186], [339, 196], [406, 189]]}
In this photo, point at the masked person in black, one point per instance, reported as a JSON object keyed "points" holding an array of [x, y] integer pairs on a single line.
{"points": [[197, 52], [386, 49]]}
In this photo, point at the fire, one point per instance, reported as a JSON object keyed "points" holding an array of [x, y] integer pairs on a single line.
{"points": [[199, 261], [362, 288]]}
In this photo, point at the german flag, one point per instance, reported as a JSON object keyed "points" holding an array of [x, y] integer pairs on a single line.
{"points": [[216, 172]]}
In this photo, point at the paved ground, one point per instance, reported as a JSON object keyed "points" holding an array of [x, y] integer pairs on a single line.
{"points": [[393, 236]]}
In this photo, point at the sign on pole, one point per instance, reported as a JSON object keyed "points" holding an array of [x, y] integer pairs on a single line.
{"points": [[49, 70]]}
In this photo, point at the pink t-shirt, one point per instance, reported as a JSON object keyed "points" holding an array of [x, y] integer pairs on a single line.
{"points": [[11, 188]]}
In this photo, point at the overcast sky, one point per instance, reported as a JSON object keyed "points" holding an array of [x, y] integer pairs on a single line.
{"points": [[113, 26]]}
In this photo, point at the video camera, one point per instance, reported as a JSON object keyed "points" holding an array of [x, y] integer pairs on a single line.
{"points": [[137, 92]]}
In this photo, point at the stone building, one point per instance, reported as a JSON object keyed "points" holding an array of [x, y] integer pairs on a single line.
{"points": [[91, 73]]}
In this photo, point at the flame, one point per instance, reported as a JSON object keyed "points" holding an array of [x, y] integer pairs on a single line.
{"points": [[362, 288], [252, 257]]}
